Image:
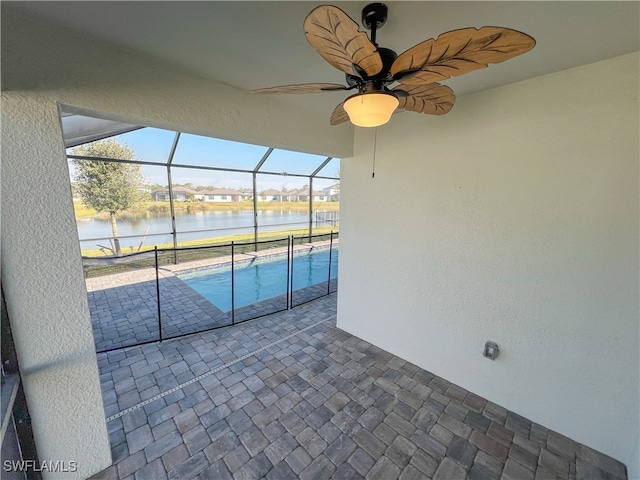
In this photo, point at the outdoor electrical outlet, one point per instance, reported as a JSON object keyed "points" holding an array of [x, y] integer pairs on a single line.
{"points": [[491, 350]]}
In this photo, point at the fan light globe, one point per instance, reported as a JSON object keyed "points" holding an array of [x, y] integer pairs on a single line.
{"points": [[370, 109]]}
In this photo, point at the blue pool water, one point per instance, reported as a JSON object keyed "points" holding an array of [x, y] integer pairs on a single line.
{"points": [[261, 279]]}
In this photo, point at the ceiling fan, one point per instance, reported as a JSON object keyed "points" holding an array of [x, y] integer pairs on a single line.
{"points": [[386, 81]]}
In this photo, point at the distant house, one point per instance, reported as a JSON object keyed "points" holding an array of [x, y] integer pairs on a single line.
{"points": [[303, 196], [220, 195], [332, 192], [180, 194], [246, 194], [271, 195]]}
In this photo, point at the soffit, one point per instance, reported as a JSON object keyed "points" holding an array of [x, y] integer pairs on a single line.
{"points": [[258, 44]]}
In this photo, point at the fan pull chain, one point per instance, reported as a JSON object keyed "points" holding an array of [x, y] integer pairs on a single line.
{"points": [[375, 144]]}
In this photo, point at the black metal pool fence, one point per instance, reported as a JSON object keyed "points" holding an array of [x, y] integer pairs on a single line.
{"points": [[141, 298]]}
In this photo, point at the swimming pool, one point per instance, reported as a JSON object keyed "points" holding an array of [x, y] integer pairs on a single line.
{"points": [[261, 279]]}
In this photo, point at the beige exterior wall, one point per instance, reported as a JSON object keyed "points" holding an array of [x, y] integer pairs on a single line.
{"points": [[518, 224]]}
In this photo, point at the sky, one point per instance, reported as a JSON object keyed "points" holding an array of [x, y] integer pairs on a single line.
{"points": [[154, 145]]}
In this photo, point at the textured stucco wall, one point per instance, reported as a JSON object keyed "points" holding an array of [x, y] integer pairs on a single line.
{"points": [[42, 275], [43, 281], [514, 218]]}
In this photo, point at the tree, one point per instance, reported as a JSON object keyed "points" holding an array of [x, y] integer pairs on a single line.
{"points": [[108, 186]]}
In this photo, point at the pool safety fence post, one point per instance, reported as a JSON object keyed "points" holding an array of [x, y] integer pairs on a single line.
{"points": [[290, 272], [233, 291], [155, 250], [330, 252]]}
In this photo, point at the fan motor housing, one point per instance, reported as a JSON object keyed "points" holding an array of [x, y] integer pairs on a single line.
{"points": [[374, 15]]}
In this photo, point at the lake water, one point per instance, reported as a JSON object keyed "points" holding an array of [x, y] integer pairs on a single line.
{"points": [[232, 222]]}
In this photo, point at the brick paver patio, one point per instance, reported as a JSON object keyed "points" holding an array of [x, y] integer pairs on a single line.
{"points": [[124, 306], [291, 396]]}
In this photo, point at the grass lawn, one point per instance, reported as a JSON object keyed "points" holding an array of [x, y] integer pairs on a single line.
{"points": [[97, 267], [222, 240]]}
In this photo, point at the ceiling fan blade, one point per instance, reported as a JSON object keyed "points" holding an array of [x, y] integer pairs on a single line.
{"points": [[458, 52], [339, 115], [336, 37], [300, 88], [433, 99]]}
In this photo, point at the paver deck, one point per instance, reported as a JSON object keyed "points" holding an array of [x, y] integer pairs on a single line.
{"points": [[124, 306], [291, 396]]}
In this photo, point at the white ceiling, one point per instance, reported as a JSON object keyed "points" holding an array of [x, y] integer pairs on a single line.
{"points": [[260, 44]]}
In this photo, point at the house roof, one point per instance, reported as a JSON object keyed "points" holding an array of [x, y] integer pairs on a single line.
{"points": [[271, 191], [177, 189], [305, 192], [220, 191]]}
